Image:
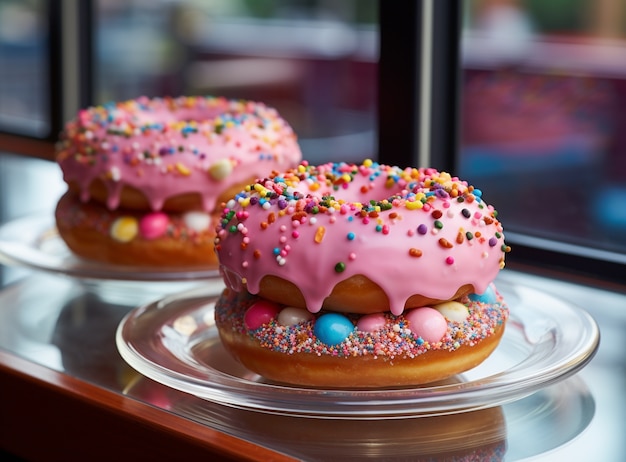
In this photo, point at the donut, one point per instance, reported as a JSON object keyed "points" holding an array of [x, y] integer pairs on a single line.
{"points": [[341, 249], [360, 238], [137, 238], [149, 174], [330, 349]]}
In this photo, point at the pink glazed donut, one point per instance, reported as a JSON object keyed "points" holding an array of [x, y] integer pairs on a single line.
{"points": [[147, 176], [324, 265]]}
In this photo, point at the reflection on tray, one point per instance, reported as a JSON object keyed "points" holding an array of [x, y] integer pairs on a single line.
{"points": [[514, 431], [432, 438]]}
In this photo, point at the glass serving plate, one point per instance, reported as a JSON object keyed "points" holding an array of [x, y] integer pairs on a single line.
{"points": [[175, 342], [34, 242]]}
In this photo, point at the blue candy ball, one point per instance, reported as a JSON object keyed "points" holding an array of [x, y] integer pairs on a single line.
{"points": [[332, 328], [489, 296]]}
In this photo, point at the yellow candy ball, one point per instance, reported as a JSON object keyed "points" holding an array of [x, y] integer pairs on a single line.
{"points": [[453, 311], [221, 169], [124, 229]]}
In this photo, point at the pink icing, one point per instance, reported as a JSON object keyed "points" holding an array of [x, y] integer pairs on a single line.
{"points": [[154, 225], [166, 147], [292, 229], [427, 323]]}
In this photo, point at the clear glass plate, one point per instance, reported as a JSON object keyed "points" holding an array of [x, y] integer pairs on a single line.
{"points": [[174, 341], [33, 242]]}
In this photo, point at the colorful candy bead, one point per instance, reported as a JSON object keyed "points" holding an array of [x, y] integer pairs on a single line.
{"points": [[262, 312], [221, 169], [124, 229], [453, 311], [488, 296], [290, 316], [333, 328], [153, 225], [371, 322], [198, 221], [427, 323]]}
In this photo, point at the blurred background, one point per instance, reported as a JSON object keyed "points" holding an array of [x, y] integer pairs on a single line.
{"points": [[542, 90], [315, 61], [543, 119]]}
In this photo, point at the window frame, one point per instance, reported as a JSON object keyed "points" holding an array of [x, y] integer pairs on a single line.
{"points": [[437, 59], [70, 71]]}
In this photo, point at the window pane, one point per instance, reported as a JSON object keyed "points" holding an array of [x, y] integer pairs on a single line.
{"points": [[543, 125], [24, 99], [314, 61]]}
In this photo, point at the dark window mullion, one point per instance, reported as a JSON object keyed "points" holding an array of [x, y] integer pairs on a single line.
{"points": [[445, 89], [399, 82], [55, 67], [401, 93], [87, 52]]}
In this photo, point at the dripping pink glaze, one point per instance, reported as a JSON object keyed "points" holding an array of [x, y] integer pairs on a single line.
{"points": [[378, 247], [166, 147]]}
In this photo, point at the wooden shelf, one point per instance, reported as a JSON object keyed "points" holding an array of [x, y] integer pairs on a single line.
{"points": [[47, 415]]}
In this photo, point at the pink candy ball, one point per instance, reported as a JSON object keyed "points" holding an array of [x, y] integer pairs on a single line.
{"points": [[427, 323], [371, 322], [153, 225], [260, 313]]}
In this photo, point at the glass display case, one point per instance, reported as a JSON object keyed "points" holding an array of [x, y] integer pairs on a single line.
{"points": [[521, 97], [93, 350]]}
